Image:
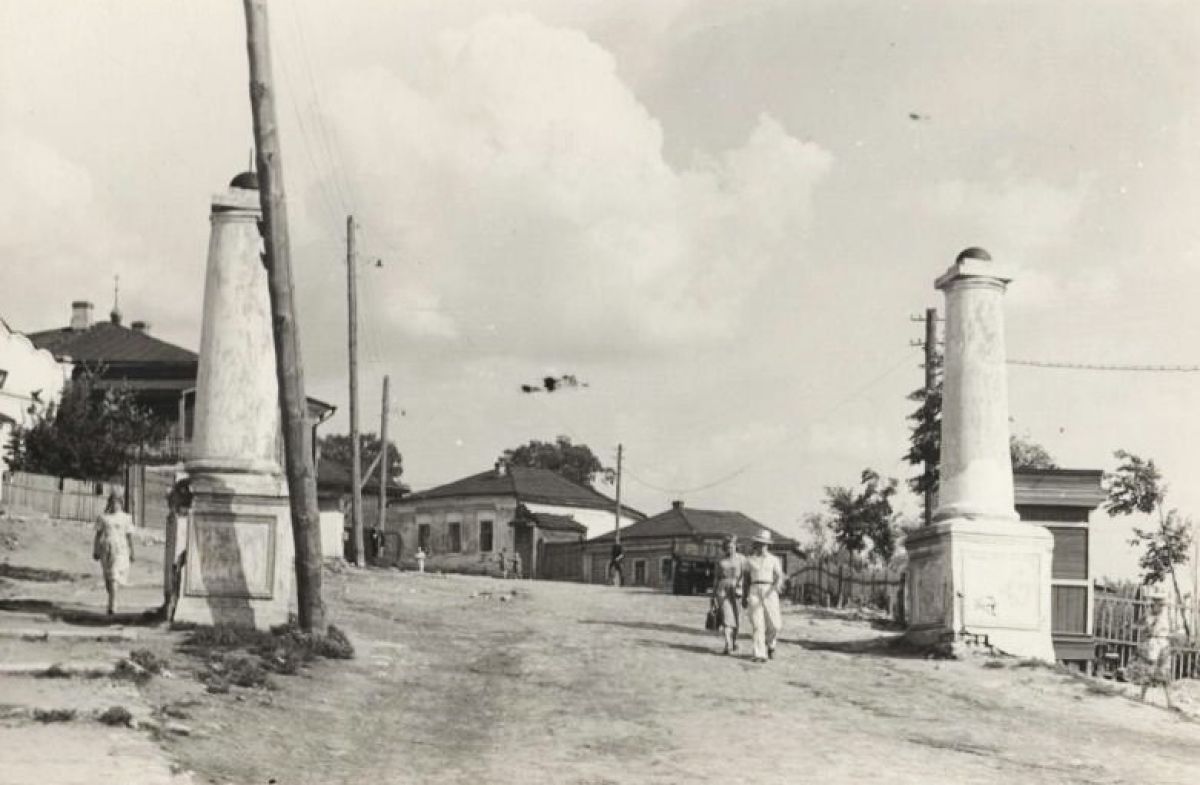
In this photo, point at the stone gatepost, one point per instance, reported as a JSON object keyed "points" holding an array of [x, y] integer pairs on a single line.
{"points": [[239, 567], [978, 570]]}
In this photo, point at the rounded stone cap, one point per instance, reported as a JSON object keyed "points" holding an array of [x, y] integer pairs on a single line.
{"points": [[246, 180], [974, 253]]}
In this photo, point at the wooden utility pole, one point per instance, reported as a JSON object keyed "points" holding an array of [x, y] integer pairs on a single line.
{"points": [[356, 518], [289, 370], [383, 461], [617, 509], [930, 385]]}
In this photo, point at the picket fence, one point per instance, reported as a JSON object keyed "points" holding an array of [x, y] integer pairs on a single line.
{"points": [[1116, 621], [838, 581], [58, 497]]}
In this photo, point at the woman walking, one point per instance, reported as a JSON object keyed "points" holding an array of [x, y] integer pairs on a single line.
{"points": [[727, 591], [113, 547]]}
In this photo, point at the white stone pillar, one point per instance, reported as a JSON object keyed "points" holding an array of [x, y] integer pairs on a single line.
{"points": [[237, 399], [239, 566], [975, 468], [978, 574]]}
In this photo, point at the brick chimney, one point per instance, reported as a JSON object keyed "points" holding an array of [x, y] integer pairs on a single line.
{"points": [[141, 327], [677, 504], [501, 468], [81, 315]]}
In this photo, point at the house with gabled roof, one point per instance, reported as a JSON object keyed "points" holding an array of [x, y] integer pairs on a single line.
{"points": [[464, 526], [30, 380], [672, 550]]}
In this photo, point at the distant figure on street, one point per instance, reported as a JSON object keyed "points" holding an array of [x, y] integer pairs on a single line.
{"points": [[727, 591], [1151, 666], [763, 581], [420, 559], [516, 565], [503, 557], [113, 547], [616, 565]]}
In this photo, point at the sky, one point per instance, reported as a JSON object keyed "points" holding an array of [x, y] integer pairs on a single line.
{"points": [[720, 216]]}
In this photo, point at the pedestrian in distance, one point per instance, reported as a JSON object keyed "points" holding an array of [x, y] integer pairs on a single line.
{"points": [[113, 547], [616, 565], [727, 592], [503, 557], [1151, 666], [763, 580], [421, 559], [516, 565]]}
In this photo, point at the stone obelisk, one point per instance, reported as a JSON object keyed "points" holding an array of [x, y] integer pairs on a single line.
{"points": [[239, 565], [978, 572]]}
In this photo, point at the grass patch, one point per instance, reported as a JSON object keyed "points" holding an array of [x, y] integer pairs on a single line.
{"points": [[37, 575], [55, 671], [1097, 687], [148, 661], [245, 657], [54, 715], [116, 716], [995, 664]]}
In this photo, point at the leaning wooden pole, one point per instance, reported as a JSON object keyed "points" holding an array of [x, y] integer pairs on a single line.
{"points": [[289, 370]]}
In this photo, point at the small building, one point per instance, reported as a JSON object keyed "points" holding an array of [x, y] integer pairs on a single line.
{"points": [[30, 380], [1062, 500], [464, 525], [678, 548]]}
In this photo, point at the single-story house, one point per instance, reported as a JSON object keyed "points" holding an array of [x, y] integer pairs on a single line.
{"points": [[30, 380], [1062, 500], [677, 549], [466, 524]]}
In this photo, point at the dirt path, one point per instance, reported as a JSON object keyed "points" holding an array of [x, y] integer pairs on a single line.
{"points": [[579, 684]]}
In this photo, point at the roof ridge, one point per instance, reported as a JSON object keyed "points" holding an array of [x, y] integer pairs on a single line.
{"points": [[683, 514]]}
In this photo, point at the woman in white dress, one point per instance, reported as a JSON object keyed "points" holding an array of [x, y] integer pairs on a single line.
{"points": [[113, 547]]}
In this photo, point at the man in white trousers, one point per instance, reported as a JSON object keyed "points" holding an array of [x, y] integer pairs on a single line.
{"points": [[764, 582]]}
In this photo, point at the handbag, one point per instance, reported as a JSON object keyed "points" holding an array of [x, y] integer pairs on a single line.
{"points": [[712, 620]]}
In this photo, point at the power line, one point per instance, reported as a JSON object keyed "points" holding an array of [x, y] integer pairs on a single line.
{"points": [[904, 359], [1106, 366]]}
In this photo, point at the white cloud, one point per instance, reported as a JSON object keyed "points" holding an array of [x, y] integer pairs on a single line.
{"points": [[1026, 222], [525, 186]]}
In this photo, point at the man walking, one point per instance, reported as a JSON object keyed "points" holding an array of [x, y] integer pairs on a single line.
{"points": [[764, 581]]}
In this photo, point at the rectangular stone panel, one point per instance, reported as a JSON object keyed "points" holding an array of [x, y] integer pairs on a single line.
{"points": [[231, 555], [928, 591], [1002, 589]]}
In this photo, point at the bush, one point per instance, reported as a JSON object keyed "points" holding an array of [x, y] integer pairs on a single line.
{"points": [[54, 715], [116, 715], [244, 657]]}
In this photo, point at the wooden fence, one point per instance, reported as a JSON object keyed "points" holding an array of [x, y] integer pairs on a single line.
{"points": [[59, 497], [1116, 622], [839, 581]]}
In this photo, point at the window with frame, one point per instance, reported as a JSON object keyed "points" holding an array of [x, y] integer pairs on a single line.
{"points": [[664, 569], [423, 532], [485, 536], [455, 536], [639, 572]]}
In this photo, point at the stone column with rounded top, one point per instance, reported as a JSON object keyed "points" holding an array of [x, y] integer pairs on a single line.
{"points": [[239, 562], [978, 574]]}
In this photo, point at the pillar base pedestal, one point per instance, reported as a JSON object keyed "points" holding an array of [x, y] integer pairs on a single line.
{"points": [[240, 558], [981, 577]]}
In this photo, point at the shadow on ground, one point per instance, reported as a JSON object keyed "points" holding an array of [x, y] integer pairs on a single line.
{"points": [[879, 646], [81, 614], [650, 626]]}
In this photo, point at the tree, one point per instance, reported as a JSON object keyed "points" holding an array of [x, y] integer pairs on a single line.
{"points": [[864, 517], [336, 447], [90, 433], [818, 529], [576, 462], [1137, 486], [1027, 454]]}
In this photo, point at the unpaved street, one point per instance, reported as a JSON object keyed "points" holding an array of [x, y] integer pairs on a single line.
{"points": [[563, 683]]}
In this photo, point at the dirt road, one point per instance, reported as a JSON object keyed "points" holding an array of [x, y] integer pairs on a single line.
{"points": [[460, 681], [464, 680]]}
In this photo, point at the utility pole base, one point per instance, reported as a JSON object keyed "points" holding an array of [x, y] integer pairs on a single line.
{"points": [[240, 565], [981, 578]]}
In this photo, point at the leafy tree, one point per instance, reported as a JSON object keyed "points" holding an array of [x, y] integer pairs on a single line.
{"points": [[1027, 454], [337, 447], [1137, 486], [819, 530], [89, 433], [864, 516], [576, 462]]}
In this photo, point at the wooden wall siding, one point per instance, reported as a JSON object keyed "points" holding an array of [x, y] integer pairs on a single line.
{"points": [[1042, 513], [1070, 553], [1068, 609], [560, 561]]}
